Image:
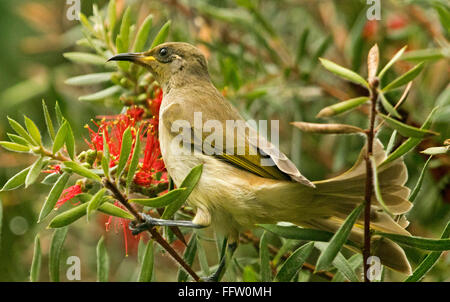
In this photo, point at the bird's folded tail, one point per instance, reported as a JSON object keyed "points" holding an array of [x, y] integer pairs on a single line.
{"points": [[345, 192]]}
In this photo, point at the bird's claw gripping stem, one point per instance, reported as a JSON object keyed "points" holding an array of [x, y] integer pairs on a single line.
{"points": [[150, 222]]}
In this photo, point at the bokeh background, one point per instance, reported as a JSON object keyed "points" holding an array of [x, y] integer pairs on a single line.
{"points": [[255, 59]]}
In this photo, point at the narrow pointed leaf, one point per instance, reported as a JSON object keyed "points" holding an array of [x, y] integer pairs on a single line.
{"points": [[301, 49], [37, 259], [337, 241], [14, 147], [297, 233], [162, 34], [189, 183], [134, 162], [418, 185], [391, 142], [264, 259], [327, 128], [188, 256], [90, 79], [125, 149], [388, 107], [125, 29], [355, 261], [95, 202], [340, 263], [294, 263], [202, 259], [60, 138], [436, 150], [68, 217], [16, 181], [53, 196], [112, 15], [405, 78], [51, 179], [21, 131], [407, 130], [80, 170], [376, 185], [112, 210], [59, 116], [105, 157], [160, 201], [100, 95], [55, 253], [142, 35], [70, 142], [146, 272], [427, 264], [34, 172], [102, 261], [428, 244], [421, 55], [342, 107], [394, 59], [85, 58], [344, 72], [18, 139], [48, 121], [33, 130]]}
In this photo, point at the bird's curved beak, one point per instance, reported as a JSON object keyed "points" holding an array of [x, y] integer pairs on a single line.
{"points": [[137, 57]]}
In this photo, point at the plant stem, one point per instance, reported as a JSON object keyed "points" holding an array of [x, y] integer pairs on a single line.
{"points": [[369, 176], [154, 233]]}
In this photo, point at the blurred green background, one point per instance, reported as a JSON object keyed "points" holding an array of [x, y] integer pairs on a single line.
{"points": [[257, 59]]}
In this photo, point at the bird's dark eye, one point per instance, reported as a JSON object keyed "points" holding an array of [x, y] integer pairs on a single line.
{"points": [[163, 52]]}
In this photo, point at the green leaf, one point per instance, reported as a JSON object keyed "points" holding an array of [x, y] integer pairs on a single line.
{"points": [[14, 147], [34, 172], [68, 217], [112, 15], [80, 170], [146, 272], [343, 72], [340, 263], [188, 256], [355, 261], [405, 78], [102, 94], [82, 57], [105, 157], [55, 252], [419, 242], [1, 220], [338, 240], [48, 121], [90, 79], [189, 183], [50, 179], [53, 196], [95, 202], [162, 34], [407, 130], [143, 33], [18, 139], [249, 274], [421, 55], [16, 181], [377, 187], [125, 149], [418, 185], [427, 264], [391, 142], [112, 210], [125, 29], [297, 233], [411, 142], [294, 263], [102, 261], [37, 259], [436, 150], [60, 138], [21, 131], [70, 142], [59, 116], [162, 200], [134, 162], [264, 259], [301, 49], [388, 107], [33, 130], [394, 59], [342, 107], [202, 259]]}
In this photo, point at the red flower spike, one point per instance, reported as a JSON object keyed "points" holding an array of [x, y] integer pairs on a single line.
{"points": [[67, 195]]}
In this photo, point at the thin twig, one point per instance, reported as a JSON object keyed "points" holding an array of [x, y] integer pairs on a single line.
{"points": [[154, 233]]}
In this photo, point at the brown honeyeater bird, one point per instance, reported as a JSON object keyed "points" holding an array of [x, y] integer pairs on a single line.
{"points": [[236, 191]]}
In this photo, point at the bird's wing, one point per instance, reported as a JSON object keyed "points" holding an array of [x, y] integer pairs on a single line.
{"points": [[245, 149]]}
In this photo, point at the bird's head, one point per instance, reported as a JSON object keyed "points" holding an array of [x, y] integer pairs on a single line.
{"points": [[169, 61]]}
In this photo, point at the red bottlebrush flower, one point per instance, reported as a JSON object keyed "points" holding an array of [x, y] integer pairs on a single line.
{"points": [[396, 22], [370, 29], [53, 169], [68, 194], [122, 223]]}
